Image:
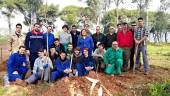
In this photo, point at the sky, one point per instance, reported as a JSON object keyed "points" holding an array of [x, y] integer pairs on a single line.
{"points": [[154, 5]]}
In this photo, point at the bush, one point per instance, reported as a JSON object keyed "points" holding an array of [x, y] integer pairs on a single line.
{"points": [[159, 89]]}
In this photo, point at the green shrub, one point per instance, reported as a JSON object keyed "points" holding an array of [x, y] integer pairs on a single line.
{"points": [[159, 89]]}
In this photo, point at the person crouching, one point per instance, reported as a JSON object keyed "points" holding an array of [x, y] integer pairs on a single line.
{"points": [[62, 66], [41, 67]]}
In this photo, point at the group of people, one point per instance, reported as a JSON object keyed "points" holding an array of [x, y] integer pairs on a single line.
{"points": [[51, 56]]}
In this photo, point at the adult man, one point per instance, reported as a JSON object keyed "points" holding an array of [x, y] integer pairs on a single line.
{"points": [[62, 66], [133, 28], [41, 67], [140, 37], [86, 64], [50, 36], [16, 39], [65, 36], [99, 55], [55, 49], [70, 51], [110, 37], [98, 37], [34, 41], [75, 34], [76, 59], [113, 60], [17, 65], [125, 41]]}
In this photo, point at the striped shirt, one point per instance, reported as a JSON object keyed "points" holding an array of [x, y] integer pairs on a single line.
{"points": [[140, 32]]}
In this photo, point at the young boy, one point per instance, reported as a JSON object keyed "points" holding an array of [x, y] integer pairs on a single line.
{"points": [[62, 66], [41, 67], [98, 55]]}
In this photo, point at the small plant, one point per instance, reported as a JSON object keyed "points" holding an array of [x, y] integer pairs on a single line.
{"points": [[159, 89]]}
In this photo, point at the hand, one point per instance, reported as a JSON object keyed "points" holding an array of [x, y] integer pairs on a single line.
{"points": [[66, 71], [74, 71], [45, 66], [109, 65], [87, 68], [137, 42], [24, 64], [15, 72], [28, 52]]}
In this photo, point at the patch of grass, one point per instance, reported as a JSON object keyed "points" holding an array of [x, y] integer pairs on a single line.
{"points": [[159, 89], [2, 91], [159, 55]]}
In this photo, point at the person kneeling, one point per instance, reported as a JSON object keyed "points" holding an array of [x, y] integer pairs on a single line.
{"points": [[17, 65], [41, 68], [86, 64], [113, 59], [62, 66]]}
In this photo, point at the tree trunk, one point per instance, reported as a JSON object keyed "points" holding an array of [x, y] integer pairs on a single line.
{"points": [[33, 18], [9, 24], [166, 39], [117, 15]]}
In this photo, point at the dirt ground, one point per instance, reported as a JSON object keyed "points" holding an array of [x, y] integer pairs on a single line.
{"points": [[131, 84]]}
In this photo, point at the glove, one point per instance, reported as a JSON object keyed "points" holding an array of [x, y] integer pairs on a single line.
{"points": [[45, 66]]}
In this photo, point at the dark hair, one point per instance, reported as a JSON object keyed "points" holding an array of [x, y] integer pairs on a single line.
{"points": [[70, 43], [21, 46], [56, 39], [49, 26], [41, 50], [65, 26], [82, 31], [74, 26], [86, 49], [140, 18], [101, 44], [62, 52], [77, 48], [19, 25], [36, 24], [124, 23], [119, 24]]}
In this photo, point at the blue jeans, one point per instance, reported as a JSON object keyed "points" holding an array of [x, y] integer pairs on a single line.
{"points": [[35, 76], [142, 49]]}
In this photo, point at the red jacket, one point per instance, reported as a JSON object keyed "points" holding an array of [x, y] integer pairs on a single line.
{"points": [[125, 40]]}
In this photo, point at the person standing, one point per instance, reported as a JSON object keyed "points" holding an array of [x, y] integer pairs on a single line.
{"points": [[34, 41], [85, 41], [50, 36], [133, 28], [125, 41], [98, 37], [17, 39], [65, 37], [110, 37], [75, 34], [140, 37]]}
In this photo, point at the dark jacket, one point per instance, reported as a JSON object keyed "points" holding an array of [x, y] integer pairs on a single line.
{"points": [[98, 38], [34, 42], [75, 36], [110, 39]]}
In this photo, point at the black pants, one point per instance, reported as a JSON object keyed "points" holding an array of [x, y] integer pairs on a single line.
{"points": [[132, 58], [32, 58]]}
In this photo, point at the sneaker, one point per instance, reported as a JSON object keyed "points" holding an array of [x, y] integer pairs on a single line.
{"points": [[146, 73]]}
